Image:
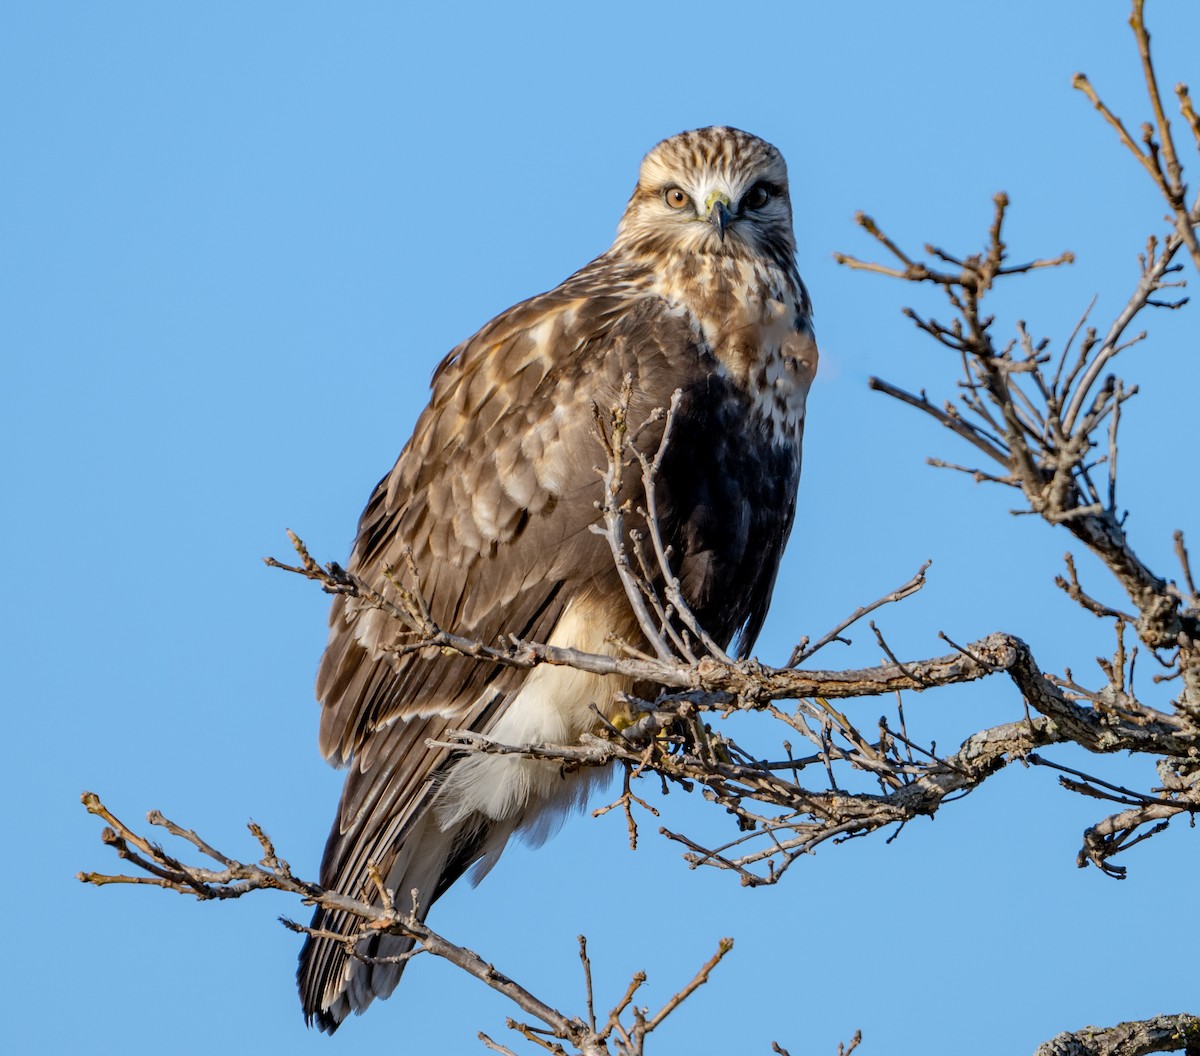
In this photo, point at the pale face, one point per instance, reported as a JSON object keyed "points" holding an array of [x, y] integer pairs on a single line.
{"points": [[712, 190]]}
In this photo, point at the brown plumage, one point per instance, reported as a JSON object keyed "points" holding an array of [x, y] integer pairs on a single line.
{"points": [[495, 494]]}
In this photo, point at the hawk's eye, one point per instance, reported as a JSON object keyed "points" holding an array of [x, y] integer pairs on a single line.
{"points": [[676, 198], [757, 197]]}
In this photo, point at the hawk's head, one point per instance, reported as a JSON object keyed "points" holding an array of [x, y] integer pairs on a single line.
{"points": [[711, 191]]}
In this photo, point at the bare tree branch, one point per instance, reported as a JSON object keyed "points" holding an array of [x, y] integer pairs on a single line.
{"points": [[1160, 1034], [235, 879]]}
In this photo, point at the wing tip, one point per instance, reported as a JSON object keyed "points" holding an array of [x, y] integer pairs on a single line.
{"points": [[322, 962], [323, 1020]]}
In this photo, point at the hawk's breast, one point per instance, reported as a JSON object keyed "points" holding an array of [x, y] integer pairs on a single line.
{"points": [[754, 318]]}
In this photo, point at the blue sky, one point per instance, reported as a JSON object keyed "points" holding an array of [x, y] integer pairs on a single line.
{"points": [[237, 238]]}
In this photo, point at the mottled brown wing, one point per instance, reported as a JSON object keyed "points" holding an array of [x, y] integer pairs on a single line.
{"points": [[495, 495], [491, 496]]}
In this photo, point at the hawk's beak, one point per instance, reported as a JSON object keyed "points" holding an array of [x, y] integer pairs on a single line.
{"points": [[718, 214]]}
